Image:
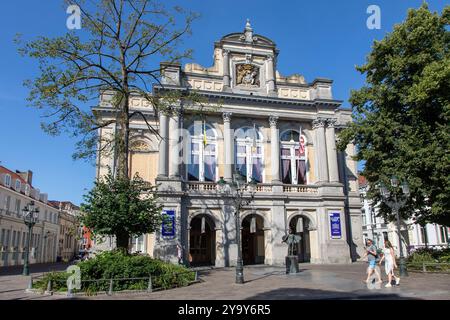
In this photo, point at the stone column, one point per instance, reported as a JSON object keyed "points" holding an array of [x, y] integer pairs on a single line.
{"points": [[331, 151], [226, 69], [275, 149], [270, 75], [174, 144], [319, 127], [163, 145], [228, 146]]}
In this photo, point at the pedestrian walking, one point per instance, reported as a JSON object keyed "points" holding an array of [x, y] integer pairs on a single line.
{"points": [[389, 263], [371, 254]]}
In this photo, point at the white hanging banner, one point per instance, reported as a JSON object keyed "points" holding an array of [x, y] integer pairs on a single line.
{"points": [[253, 225], [203, 225], [299, 226]]}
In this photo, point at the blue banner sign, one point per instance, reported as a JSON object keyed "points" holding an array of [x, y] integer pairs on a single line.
{"points": [[335, 225], [168, 223]]}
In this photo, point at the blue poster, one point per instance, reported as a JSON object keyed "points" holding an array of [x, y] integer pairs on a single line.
{"points": [[168, 223], [335, 225]]}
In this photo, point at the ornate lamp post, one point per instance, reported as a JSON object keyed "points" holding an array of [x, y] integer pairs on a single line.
{"points": [[30, 218], [241, 193], [395, 205]]}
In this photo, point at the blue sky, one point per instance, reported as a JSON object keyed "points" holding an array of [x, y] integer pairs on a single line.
{"points": [[315, 38]]}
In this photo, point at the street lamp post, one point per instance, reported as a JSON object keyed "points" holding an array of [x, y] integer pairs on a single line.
{"points": [[395, 205], [30, 218], [241, 194]]}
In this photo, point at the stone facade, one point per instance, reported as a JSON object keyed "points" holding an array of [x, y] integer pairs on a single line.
{"points": [[279, 130]]}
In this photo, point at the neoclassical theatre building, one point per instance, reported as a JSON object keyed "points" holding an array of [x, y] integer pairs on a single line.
{"points": [[278, 130]]}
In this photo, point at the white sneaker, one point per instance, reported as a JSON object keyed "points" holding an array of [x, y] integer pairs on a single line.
{"points": [[388, 285]]}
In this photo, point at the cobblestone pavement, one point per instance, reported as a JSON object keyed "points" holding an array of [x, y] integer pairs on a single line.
{"points": [[266, 282]]}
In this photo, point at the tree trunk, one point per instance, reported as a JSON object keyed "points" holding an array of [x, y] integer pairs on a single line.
{"points": [[123, 138], [123, 241]]}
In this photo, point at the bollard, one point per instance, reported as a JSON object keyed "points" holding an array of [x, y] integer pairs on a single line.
{"points": [[110, 287], [30, 283], [149, 287], [424, 269], [49, 287], [69, 292], [196, 276]]}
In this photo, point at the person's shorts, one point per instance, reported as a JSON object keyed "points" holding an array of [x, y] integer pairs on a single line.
{"points": [[372, 264]]}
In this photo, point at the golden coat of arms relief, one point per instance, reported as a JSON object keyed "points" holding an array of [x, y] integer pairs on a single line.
{"points": [[247, 75]]}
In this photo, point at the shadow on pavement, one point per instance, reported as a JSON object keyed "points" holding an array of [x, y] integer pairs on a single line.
{"points": [[316, 294]]}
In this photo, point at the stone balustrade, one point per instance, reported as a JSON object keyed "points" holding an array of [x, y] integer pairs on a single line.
{"points": [[197, 186]]}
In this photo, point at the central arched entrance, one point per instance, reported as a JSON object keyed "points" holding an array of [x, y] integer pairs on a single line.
{"points": [[202, 241], [300, 225], [253, 239]]}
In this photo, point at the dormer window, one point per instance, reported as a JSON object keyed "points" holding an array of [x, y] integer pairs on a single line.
{"points": [[27, 190], [18, 185], [8, 180]]}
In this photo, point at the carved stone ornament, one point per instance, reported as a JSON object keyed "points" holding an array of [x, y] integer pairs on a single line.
{"points": [[139, 146], [247, 75], [226, 116], [273, 120], [319, 123]]}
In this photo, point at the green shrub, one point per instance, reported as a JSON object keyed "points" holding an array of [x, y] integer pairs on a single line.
{"points": [[117, 265]]}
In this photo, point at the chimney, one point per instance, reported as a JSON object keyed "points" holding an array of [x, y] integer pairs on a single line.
{"points": [[27, 176]]}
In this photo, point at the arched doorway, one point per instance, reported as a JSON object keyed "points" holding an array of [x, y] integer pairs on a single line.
{"points": [[300, 224], [253, 239], [202, 241]]}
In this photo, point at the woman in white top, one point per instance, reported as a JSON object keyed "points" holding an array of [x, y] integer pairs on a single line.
{"points": [[389, 263]]}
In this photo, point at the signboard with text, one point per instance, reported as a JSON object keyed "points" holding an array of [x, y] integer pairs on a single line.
{"points": [[335, 225], [168, 223]]}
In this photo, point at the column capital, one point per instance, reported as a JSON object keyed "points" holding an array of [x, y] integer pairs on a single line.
{"points": [[273, 120], [270, 57], [319, 123], [227, 116], [331, 122], [225, 52]]}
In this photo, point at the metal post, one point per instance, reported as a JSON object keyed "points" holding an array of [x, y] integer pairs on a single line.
{"points": [[196, 276], [239, 263], [149, 287], [49, 287], [403, 272], [30, 283], [26, 268], [110, 287]]}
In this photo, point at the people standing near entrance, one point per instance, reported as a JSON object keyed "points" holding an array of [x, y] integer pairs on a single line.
{"points": [[389, 263], [371, 254]]}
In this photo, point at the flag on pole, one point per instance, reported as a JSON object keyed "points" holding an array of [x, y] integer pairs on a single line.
{"points": [[253, 225], [203, 225], [205, 140], [254, 139]]}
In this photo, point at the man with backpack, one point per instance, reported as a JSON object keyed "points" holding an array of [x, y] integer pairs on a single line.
{"points": [[371, 253]]}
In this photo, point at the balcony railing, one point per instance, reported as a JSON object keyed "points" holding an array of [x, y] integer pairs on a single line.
{"points": [[197, 186]]}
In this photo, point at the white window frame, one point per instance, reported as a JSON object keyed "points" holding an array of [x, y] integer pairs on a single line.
{"points": [[201, 153], [17, 185], [8, 180], [293, 145], [247, 142]]}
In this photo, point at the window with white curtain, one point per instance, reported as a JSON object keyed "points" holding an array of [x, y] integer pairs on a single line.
{"points": [[293, 158], [202, 153], [249, 153]]}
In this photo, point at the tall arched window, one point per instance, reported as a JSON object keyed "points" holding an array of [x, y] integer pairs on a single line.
{"points": [[202, 155], [293, 158], [249, 153]]}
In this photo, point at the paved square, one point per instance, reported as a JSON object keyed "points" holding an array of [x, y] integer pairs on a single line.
{"points": [[266, 282]]}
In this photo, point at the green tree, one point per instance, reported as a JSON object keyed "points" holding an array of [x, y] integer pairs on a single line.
{"points": [[117, 50], [121, 207], [401, 115]]}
